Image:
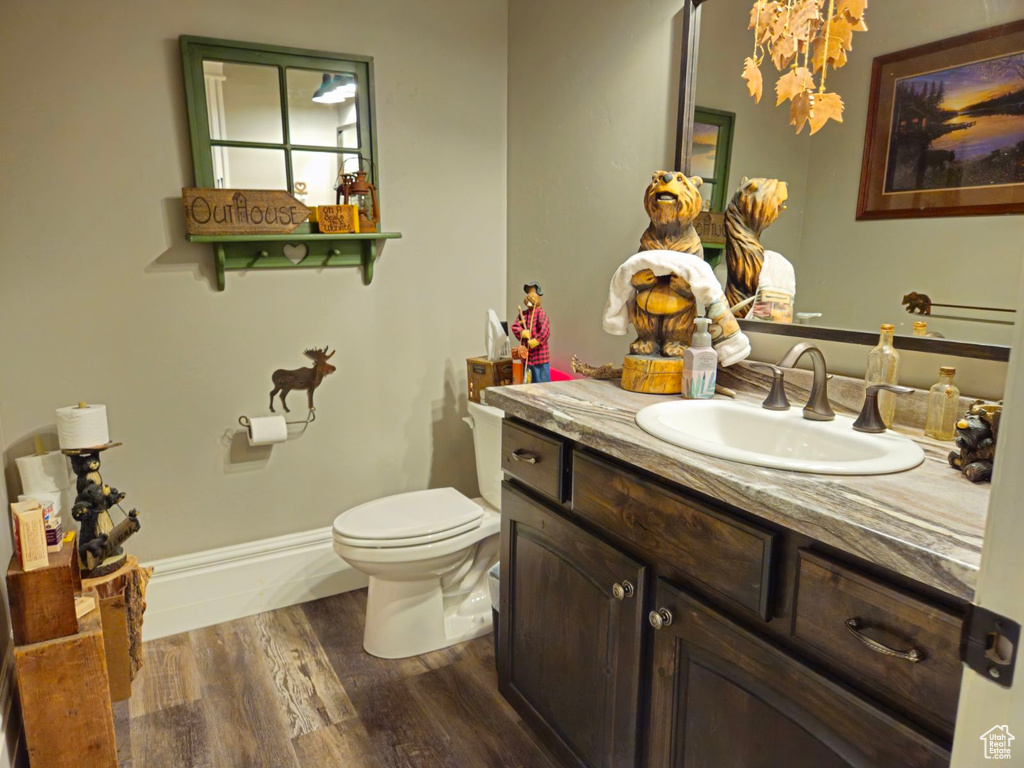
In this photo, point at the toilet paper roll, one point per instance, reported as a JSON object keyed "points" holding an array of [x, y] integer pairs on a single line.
{"points": [[267, 430], [82, 427], [40, 474]]}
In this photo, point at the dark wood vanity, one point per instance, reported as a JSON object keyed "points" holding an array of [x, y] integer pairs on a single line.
{"points": [[643, 623]]}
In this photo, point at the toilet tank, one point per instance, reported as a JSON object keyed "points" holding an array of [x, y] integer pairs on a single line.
{"points": [[486, 424]]}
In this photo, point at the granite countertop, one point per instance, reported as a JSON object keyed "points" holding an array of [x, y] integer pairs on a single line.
{"points": [[926, 523]]}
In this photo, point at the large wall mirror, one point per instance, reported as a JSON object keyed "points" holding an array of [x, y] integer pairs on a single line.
{"points": [[949, 144]]}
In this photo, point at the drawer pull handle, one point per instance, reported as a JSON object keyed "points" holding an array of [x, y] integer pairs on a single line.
{"points": [[660, 618], [622, 591], [855, 625], [525, 456]]}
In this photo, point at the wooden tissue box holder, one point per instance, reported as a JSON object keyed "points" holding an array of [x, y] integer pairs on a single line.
{"points": [[482, 373]]}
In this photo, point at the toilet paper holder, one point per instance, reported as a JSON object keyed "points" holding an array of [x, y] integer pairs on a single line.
{"points": [[310, 418]]}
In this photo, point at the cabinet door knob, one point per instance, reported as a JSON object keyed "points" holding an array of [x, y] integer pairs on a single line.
{"points": [[660, 618], [524, 456], [622, 590]]}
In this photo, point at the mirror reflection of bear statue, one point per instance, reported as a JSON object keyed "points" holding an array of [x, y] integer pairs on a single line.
{"points": [[755, 206], [664, 309]]}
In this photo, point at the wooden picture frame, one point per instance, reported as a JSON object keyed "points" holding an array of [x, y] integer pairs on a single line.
{"points": [[943, 126]]}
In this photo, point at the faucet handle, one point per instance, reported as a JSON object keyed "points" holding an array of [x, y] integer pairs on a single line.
{"points": [[870, 419], [776, 400]]}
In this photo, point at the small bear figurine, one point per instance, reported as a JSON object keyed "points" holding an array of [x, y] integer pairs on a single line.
{"points": [[99, 541], [920, 303], [976, 435]]}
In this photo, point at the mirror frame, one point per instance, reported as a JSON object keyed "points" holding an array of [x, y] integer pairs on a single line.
{"points": [[690, 20]]}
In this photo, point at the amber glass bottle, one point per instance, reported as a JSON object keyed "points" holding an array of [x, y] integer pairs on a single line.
{"points": [[884, 368], [943, 404]]}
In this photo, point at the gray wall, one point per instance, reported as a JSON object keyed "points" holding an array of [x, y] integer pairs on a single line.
{"points": [[592, 108], [591, 115], [101, 299]]}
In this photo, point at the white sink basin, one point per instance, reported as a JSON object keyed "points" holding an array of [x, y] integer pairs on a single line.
{"points": [[778, 439]]}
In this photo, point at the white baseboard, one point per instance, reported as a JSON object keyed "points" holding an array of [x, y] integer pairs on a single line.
{"points": [[193, 591]]}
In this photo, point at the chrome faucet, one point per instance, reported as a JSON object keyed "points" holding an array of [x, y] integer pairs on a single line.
{"points": [[818, 407]]}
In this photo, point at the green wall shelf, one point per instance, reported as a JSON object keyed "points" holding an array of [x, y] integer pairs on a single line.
{"points": [[237, 252]]}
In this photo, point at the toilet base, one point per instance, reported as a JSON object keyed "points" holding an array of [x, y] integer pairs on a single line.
{"points": [[411, 617], [407, 618]]}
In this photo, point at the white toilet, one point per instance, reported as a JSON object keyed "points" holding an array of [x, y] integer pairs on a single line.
{"points": [[427, 554]]}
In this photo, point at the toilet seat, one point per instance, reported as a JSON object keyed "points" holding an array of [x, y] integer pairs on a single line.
{"points": [[408, 519]]}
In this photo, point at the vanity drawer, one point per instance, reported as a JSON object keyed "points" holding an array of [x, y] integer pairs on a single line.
{"points": [[718, 553], [533, 458], [831, 597]]}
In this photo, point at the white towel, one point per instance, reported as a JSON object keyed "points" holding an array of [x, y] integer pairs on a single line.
{"points": [[777, 273], [703, 283]]}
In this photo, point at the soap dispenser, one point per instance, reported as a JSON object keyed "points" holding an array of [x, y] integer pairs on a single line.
{"points": [[700, 363]]}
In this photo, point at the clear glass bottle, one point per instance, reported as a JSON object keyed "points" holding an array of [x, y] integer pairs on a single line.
{"points": [[920, 328], [884, 368], [943, 405]]}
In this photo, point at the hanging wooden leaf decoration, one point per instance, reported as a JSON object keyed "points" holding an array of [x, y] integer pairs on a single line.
{"points": [[804, 20], [783, 51], [827, 106], [753, 77], [800, 109], [853, 8], [804, 40], [842, 29], [832, 50], [793, 82], [761, 18]]}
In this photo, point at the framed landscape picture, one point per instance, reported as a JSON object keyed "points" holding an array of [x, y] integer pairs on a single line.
{"points": [[945, 129]]}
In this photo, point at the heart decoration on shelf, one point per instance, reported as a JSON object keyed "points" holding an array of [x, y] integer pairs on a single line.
{"points": [[295, 253]]}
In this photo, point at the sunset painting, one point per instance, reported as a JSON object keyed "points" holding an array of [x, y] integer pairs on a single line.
{"points": [[958, 128]]}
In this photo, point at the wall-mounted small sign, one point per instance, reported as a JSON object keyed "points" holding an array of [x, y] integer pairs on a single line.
{"points": [[338, 219], [710, 227], [241, 211]]}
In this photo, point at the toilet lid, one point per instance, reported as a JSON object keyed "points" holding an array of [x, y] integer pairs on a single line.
{"points": [[410, 516]]}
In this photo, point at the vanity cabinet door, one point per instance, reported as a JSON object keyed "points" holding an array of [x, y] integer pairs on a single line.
{"points": [[571, 619], [721, 696]]}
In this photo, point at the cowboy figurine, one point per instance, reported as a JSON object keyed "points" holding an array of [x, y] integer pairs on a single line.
{"points": [[533, 330]]}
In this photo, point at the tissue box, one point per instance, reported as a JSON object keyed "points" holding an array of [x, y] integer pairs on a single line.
{"points": [[29, 535], [482, 373]]}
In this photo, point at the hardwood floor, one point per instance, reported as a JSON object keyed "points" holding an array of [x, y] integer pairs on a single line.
{"points": [[293, 688]]}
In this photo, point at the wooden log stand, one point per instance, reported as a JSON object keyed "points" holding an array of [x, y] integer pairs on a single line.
{"points": [[653, 375], [43, 601], [65, 699], [122, 598]]}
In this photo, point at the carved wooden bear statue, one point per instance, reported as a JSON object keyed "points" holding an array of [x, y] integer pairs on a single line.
{"points": [[663, 309]]}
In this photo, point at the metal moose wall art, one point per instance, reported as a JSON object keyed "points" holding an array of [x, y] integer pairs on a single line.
{"points": [[307, 379]]}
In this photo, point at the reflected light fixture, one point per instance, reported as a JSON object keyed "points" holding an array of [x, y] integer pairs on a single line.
{"points": [[335, 89]]}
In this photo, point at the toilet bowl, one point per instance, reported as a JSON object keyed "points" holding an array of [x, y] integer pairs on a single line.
{"points": [[427, 554]]}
